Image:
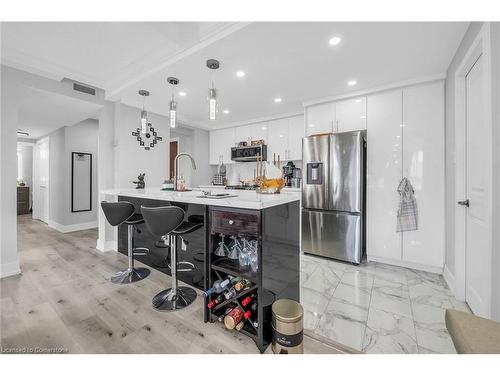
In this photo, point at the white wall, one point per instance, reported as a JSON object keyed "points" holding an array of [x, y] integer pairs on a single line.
{"points": [[9, 264], [81, 137], [130, 159]]}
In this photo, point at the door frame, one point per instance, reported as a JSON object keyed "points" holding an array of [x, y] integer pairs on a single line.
{"points": [[480, 47], [36, 182], [174, 139]]}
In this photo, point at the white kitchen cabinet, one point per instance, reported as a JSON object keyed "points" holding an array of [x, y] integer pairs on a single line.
{"points": [[350, 114], [277, 138], [295, 135], [221, 141], [423, 165], [405, 138], [251, 132], [320, 118], [284, 138], [384, 172]]}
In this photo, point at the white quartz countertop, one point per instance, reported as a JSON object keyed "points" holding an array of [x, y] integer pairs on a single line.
{"points": [[243, 199], [222, 187]]}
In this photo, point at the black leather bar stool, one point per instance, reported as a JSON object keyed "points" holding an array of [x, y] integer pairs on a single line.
{"points": [[123, 213], [168, 222]]}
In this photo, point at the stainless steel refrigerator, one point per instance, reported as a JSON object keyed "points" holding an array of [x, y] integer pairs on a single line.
{"points": [[333, 195]]}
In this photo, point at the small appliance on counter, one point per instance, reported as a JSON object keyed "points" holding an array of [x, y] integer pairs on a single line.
{"points": [[297, 178], [219, 178], [288, 170]]}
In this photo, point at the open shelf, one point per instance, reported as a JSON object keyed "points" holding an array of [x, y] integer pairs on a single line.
{"points": [[232, 267], [233, 299]]}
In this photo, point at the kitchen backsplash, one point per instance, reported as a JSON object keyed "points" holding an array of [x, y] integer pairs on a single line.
{"points": [[246, 170]]}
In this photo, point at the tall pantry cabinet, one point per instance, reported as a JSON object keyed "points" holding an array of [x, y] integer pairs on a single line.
{"points": [[406, 139]]}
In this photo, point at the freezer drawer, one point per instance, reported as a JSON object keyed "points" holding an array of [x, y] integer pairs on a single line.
{"points": [[332, 234]]}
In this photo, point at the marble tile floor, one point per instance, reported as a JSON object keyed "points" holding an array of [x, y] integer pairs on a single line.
{"points": [[376, 308]]}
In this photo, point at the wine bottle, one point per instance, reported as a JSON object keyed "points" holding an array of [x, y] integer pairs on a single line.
{"points": [[239, 326], [242, 284], [230, 293], [247, 299], [223, 315], [216, 301], [236, 316], [218, 287]]}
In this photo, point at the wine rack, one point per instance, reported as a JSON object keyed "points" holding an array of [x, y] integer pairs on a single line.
{"points": [[236, 223]]}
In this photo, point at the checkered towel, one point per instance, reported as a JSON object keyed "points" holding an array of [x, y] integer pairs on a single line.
{"points": [[408, 210]]}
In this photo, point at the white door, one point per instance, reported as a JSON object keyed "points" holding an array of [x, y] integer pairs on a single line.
{"points": [[478, 221], [351, 114], [41, 197]]}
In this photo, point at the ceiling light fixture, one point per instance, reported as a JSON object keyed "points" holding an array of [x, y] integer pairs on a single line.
{"points": [[334, 41], [182, 93], [358, 100], [22, 133], [226, 111], [240, 73], [351, 82], [277, 100], [173, 105], [212, 92], [144, 113]]}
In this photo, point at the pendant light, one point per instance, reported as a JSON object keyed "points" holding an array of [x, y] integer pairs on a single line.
{"points": [[144, 113], [173, 105], [212, 92]]}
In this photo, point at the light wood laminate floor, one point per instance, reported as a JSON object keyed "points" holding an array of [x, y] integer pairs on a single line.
{"points": [[64, 302]]}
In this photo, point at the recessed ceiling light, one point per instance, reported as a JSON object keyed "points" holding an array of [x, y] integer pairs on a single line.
{"points": [[264, 128], [226, 111], [182, 93], [312, 125], [277, 100], [351, 82], [334, 41], [363, 117], [240, 73], [358, 100]]}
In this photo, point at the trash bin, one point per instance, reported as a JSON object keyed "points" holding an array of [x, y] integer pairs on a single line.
{"points": [[288, 325]]}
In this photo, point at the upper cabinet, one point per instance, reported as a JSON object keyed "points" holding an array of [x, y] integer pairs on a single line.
{"points": [[320, 118], [351, 114], [284, 138], [342, 116], [221, 141], [252, 132]]}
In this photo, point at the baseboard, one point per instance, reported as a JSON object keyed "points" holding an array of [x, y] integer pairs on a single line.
{"points": [[106, 245], [449, 278], [9, 269], [73, 227], [402, 263]]}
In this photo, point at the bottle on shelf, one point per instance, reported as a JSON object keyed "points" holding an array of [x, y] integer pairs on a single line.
{"points": [[245, 301], [242, 284], [223, 315], [216, 301], [230, 293], [236, 316], [218, 287]]}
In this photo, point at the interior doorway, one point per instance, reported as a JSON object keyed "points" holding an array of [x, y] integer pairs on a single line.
{"points": [[474, 178], [41, 201], [174, 150]]}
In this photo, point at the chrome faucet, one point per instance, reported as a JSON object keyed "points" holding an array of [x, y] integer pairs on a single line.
{"points": [[176, 166]]}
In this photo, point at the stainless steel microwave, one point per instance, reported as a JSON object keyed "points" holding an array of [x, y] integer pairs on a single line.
{"points": [[248, 153]]}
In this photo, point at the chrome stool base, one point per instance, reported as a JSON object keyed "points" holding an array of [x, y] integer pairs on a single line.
{"points": [[167, 300], [127, 277]]}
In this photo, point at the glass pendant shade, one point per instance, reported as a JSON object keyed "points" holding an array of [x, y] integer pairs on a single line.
{"points": [[212, 103], [173, 113], [144, 122]]}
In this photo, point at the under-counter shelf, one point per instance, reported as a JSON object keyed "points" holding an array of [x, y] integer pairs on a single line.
{"points": [[232, 267]]}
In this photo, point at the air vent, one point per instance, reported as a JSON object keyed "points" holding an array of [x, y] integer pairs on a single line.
{"points": [[84, 89]]}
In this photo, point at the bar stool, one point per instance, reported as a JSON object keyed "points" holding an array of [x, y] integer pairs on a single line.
{"points": [[123, 213], [168, 222]]}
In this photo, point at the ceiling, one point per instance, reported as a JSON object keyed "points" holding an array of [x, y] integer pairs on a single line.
{"points": [[291, 60], [42, 112]]}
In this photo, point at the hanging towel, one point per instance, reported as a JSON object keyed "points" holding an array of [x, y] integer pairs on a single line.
{"points": [[408, 210]]}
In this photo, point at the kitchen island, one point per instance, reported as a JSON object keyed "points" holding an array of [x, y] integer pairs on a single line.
{"points": [[270, 222]]}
